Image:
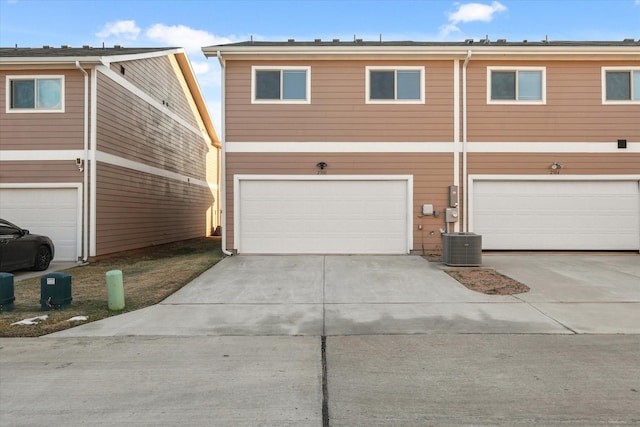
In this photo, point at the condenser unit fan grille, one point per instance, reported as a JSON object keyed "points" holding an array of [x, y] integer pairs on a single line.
{"points": [[462, 249]]}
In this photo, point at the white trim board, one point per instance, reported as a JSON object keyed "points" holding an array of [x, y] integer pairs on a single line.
{"points": [[77, 186], [245, 177], [471, 179], [429, 147]]}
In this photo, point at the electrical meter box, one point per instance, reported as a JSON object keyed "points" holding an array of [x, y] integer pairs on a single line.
{"points": [[453, 196], [55, 291], [451, 214]]}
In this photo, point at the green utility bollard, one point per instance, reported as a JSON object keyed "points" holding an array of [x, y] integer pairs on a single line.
{"points": [[115, 290]]}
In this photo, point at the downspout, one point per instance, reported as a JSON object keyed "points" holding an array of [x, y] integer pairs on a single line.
{"points": [[464, 142], [223, 161], [85, 168]]}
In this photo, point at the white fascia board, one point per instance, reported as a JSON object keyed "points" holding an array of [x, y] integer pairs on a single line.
{"points": [[136, 56], [452, 52]]}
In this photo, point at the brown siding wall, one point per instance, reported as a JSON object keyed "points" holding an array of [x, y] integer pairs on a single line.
{"points": [[132, 129], [338, 111], [432, 174], [135, 210], [44, 131], [39, 171], [573, 113], [538, 163], [159, 78]]}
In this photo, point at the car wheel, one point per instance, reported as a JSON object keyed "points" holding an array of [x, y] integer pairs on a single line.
{"points": [[43, 259]]}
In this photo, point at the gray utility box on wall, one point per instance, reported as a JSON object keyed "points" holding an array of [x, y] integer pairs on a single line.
{"points": [[462, 249]]}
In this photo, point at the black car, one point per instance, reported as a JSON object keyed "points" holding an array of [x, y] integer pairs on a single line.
{"points": [[20, 249]]}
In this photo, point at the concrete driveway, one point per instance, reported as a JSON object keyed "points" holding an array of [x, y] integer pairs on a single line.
{"points": [[367, 295]]}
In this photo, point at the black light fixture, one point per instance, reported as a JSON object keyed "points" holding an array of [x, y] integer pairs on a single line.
{"points": [[321, 165], [622, 143]]}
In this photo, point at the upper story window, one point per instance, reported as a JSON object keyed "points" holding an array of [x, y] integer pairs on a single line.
{"points": [[36, 94], [288, 85], [620, 85], [386, 85], [521, 85]]}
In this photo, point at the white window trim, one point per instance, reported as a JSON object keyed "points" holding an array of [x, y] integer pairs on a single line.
{"points": [[367, 75], [10, 78], [604, 86], [542, 101], [255, 68]]}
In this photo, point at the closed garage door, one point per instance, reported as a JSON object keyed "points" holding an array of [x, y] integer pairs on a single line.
{"points": [[339, 216], [562, 215], [49, 211]]}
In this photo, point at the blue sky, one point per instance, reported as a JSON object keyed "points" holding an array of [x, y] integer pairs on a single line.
{"points": [[195, 23]]}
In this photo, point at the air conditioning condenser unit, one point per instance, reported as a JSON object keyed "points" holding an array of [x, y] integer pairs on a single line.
{"points": [[462, 249]]}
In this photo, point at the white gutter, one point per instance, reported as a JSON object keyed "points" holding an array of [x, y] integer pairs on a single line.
{"points": [[223, 160], [464, 142], [85, 169]]}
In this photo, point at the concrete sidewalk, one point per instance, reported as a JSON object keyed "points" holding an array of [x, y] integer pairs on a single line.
{"points": [[357, 295]]}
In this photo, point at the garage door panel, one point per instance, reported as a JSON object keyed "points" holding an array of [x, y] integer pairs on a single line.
{"points": [[323, 216], [569, 215], [49, 211]]}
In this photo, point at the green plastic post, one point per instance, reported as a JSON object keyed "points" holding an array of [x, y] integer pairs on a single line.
{"points": [[115, 290]]}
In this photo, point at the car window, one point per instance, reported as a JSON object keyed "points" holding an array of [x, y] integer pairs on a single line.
{"points": [[5, 230]]}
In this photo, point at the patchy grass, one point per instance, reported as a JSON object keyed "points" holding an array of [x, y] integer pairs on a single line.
{"points": [[150, 275]]}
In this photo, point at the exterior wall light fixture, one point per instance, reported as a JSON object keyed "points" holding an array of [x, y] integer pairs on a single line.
{"points": [[555, 167]]}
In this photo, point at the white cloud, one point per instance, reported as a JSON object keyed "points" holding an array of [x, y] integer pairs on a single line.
{"points": [[182, 36], [120, 29], [471, 12]]}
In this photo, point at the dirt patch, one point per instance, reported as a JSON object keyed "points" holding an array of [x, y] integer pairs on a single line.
{"points": [[150, 275], [488, 282]]}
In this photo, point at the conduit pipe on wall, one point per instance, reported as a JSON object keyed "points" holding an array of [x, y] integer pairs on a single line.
{"points": [[464, 143], [85, 170], [223, 160]]}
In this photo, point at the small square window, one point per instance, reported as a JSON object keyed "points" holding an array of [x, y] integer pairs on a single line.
{"points": [[621, 85], [35, 94], [284, 84], [518, 85], [395, 85]]}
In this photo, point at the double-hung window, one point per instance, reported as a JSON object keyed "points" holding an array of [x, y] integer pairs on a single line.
{"points": [[288, 85], [35, 94], [516, 85], [620, 85], [391, 85]]}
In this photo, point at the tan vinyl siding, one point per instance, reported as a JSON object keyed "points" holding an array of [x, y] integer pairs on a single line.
{"points": [[51, 171], [135, 130], [338, 111], [158, 78], [44, 131], [539, 163], [432, 174], [573, 112], [135, 210]]}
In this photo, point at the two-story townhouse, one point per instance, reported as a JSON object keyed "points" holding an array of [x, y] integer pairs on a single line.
{"points": [[380, 147], [106, 149]]}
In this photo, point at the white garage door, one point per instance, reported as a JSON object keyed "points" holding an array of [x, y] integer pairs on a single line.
{"points": [[564, 215], [323, 216], [52, 212]]}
